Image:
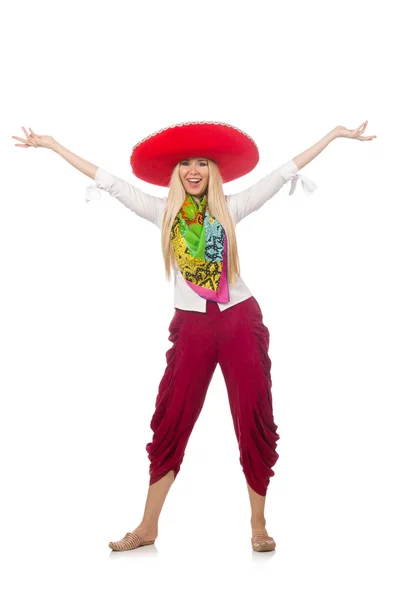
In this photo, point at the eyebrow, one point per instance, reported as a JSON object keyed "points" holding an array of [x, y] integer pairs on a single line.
{"points": [[191, 159]]}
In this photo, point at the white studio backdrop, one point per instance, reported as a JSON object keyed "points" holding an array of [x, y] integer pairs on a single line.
{"points": [[85, 306]]}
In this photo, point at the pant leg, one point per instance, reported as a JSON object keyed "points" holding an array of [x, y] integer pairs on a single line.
{"points": [[245, 363], [191, 362]]}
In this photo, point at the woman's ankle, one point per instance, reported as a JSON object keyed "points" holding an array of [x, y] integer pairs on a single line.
{"points": [[148, 525], [257, 522]]}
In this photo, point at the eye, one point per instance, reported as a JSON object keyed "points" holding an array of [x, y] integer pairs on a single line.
{"points": [[203, 163]]}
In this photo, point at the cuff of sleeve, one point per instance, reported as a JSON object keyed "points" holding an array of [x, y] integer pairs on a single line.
{"points": [[308, 185], [288, 170], [92, 192]]}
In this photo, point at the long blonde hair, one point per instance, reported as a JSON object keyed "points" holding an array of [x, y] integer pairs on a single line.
{"points": [[217, 205]]}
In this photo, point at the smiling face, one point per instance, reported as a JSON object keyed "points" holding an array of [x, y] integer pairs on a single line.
{"points": [[194, 174]]}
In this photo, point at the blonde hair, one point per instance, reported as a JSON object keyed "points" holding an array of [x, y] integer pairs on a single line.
{"points": [[217, 206]]}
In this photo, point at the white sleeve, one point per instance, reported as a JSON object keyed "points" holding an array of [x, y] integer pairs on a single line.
{"points": [[244, 203], [142, 204]]}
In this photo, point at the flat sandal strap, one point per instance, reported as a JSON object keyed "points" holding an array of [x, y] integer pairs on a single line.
{"points": [[261, 537], [133, 539], [129, 542]]}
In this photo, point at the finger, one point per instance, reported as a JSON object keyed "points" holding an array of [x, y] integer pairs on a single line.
{"points": [[357, 132], [23, 145], [33, 138], [27, 135]]}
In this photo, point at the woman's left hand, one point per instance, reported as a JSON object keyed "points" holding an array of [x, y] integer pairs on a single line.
{"points": [[355, 134]]}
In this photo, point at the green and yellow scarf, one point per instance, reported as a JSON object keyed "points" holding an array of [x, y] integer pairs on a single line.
{"points": [[200, 247]]}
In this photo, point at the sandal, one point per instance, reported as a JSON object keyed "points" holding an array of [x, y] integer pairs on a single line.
{"points": [[262, 542], [129, 542]]}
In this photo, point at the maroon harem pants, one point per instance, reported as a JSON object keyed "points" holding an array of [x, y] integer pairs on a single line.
{"points": [[237, 339]]}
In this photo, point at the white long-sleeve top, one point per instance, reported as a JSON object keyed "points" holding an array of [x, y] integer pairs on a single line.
{"points": [[240, 205]]}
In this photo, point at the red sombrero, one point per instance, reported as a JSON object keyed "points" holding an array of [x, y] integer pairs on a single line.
{"points": [[154, 158]]}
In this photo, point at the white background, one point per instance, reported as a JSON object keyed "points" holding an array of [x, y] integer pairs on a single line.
{"points": [[83, 344]]}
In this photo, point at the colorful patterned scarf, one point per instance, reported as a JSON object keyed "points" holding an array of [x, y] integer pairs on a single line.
{"points": [[200, 247]]}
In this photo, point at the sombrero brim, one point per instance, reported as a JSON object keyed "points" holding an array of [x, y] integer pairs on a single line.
{"points": [[154, 158]]}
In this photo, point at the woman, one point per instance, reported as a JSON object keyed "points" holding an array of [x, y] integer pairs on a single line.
{"points": [[216, 318]]}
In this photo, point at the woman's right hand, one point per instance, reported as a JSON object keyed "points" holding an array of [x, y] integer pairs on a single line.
{"points": [[32, 139]]}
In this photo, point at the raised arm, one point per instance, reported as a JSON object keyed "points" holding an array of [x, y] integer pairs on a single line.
{"points": [[47, 141], [305, 157], [76, 161], [243, 203], [144, 205], [251, 199]]}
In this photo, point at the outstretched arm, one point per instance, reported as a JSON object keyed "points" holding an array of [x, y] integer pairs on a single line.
{"points": [[305, 157], [244, 203], [251, 199], [142, 204], [76, 161], [47, 141]]}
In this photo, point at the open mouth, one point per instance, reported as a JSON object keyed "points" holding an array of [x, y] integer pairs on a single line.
{"points": [[194, 182]]}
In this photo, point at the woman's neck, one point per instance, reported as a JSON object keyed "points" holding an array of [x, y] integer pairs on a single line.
{"points": [[198, 198]]}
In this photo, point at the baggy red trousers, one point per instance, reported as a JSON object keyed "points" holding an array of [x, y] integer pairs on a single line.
{"points": [[237, 339]]}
